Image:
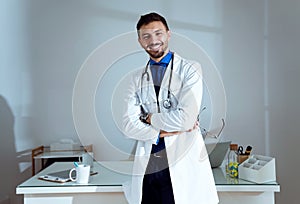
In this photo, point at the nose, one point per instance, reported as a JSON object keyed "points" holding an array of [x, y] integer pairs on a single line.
{"points": [[152, 40], [155, 38]]}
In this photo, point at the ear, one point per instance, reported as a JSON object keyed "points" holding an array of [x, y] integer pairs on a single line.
{"points": [[141, 44], [139, 39], [169, 34]]}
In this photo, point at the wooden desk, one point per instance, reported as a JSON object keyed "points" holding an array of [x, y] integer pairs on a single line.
{"points": [[106, 187]]}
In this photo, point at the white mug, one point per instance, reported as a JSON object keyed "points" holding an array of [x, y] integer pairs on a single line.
{"points": [[82, 174], [87, 159]]}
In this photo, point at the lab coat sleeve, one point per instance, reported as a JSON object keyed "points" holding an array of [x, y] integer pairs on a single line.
{"points": [[185, 115], [132, 126]]}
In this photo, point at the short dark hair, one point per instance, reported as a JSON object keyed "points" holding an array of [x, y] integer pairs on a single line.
{"points": [[149, 18]]}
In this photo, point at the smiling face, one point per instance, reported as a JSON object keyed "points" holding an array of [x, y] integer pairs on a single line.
{"points": [[154, 38]]}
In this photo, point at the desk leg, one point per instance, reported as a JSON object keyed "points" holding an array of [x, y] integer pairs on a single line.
{"points": [[43, 163], [33, 166]]}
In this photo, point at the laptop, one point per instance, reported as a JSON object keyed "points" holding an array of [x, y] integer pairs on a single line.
{"points": [[61, 176], [217, 152]]}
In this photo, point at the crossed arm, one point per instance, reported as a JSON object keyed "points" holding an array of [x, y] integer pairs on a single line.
{"points": [[167, 134], [182, 119]]}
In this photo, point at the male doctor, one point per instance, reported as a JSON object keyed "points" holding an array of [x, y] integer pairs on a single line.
{"points": [[163, 100]]}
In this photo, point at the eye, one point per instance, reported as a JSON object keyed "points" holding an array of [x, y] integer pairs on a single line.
{"points": [[159, 34], [146, 37]]}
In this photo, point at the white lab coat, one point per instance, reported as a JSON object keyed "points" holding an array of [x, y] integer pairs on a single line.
{"points": [[189, 166]]}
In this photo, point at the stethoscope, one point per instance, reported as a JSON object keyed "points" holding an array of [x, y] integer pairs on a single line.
{"points": [[167, 104]]}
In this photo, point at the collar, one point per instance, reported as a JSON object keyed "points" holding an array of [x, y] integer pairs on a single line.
{"points": [[164, 61]]}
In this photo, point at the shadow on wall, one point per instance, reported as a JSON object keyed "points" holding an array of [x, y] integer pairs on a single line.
{"points": [[8, 159]]}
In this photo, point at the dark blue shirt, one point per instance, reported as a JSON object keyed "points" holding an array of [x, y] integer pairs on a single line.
{"points": [[158, 70]]}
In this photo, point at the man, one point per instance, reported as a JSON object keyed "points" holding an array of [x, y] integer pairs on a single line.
{"points": [[163, 100]]}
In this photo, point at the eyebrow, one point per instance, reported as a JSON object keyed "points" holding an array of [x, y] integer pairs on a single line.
{"points": [[155, 31]]}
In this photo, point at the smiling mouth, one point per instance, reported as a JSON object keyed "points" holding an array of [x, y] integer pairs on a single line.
{"points": [[154, 47]]}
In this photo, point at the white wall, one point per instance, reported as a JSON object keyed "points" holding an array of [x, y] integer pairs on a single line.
{"points": [[15, 98], [243, 72], [284, 97], [254, 45]]}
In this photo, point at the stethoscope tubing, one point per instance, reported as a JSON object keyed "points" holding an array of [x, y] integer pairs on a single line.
{"points": [[167, 102]]}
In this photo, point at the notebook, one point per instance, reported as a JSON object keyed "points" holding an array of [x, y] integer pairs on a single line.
{"points": [[61, 176]]}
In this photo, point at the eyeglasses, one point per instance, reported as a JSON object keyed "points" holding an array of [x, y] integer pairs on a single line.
{"points": [[211, 133]]}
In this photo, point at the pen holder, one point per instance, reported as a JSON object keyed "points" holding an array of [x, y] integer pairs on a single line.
{"points": [[258, 169], [242, 157]]}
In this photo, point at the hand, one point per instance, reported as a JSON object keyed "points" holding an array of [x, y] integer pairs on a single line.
{"points": [[196, 126], [148, 120], [167, 134]]}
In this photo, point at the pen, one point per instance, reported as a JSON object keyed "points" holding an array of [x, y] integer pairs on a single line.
{"points": [[75, 164], [248, 150], [240, 150]]}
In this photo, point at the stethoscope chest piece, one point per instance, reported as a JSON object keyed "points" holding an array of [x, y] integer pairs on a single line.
{"points": [[167, 104]]}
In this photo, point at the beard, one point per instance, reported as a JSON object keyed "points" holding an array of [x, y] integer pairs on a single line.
{"points": [[157, 53]]}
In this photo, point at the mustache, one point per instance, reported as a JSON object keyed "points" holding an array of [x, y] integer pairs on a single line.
{"points": [[153, 45]]}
